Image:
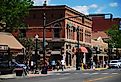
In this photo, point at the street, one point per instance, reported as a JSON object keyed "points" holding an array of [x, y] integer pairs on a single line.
{"points": [[109, 75]]}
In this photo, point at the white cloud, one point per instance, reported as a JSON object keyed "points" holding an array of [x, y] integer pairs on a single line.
{"points": [[85, 9], [93, 6], [40, 2], [82, 9], [115, 4], [99, 10]]}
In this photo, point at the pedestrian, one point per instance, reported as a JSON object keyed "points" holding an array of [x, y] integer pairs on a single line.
{"points": [[32, 67], [91, 63], [62, 64], [58, 65], [53, 64]]}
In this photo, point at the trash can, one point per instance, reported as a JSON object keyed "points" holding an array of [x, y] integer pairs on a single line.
{"points": [[19, 71], [44, 70]]}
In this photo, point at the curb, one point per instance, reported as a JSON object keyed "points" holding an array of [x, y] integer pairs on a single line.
{"points": [[99, 69], [13, 76]]}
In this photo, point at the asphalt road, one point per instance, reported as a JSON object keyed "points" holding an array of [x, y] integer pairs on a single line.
{"points": [[110, 75]]}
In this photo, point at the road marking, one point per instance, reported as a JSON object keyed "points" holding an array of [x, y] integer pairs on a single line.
{"points": [[66, 73], [86, 73], [57, 74], [105, 73], [99, 73], [97, 79], [94, 73], [114, 73], [63, 78]]}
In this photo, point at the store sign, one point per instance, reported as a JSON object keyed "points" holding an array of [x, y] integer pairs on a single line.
{"points": [[56, 52], [3, 47]]}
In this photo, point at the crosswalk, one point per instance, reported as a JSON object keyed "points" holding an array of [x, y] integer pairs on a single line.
{"points": [[96, 73], [99, 73]]}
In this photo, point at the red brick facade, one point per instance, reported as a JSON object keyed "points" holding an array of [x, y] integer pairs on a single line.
{"points": [[100, 23]]}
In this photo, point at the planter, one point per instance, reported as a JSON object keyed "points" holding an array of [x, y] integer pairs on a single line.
{"points": [[44, 70], [19, 71]]}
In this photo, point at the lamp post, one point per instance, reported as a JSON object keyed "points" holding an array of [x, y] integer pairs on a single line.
{"points": [[78, 52], [44, 68], [36, 54]]}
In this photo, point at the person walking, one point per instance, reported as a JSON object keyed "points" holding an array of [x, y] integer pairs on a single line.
{"points": [[32, 66], [91, 63], [62, 64], [53, 64]]}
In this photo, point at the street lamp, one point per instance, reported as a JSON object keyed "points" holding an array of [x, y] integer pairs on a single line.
{"points": [[36, 54], [78, 52], [44, 68]]}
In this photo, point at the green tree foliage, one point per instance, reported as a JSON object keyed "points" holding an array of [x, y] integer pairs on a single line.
{"points": [[28, 43], [115, 36], [12, 13]]}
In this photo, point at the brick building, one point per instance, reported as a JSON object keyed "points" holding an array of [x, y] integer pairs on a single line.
{"points": [[102, 22], [61, 35]]}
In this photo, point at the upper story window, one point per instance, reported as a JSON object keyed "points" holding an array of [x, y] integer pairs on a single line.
{"points": [[56, 31]]}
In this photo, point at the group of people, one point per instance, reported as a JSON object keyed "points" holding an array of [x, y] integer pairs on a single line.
{"points": [[59, 64], [96, 64], [54, 64]]}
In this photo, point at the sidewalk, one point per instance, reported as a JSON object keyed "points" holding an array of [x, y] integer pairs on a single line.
{"points": [[12, 76]]}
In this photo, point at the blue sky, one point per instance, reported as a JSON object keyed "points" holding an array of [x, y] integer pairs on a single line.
{"points": [[89, 6]]}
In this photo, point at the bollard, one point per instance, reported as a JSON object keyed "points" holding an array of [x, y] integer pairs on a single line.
{"points": [[82, 66]]}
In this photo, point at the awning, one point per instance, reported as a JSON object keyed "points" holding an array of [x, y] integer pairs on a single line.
{"points": [[10, 40], [89, 50], [83, 49]]}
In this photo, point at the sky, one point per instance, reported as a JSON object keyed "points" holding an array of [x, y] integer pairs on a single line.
{"points": [[88, 6]]}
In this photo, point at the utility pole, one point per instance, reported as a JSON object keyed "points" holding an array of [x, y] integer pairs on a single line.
{"points": [[77, 52], [36, 54], [44, 68]]}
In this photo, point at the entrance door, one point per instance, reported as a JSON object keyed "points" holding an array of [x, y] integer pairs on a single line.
{"points": [[68, 59]]}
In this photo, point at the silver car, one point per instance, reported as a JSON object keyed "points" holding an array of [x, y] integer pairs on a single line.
{"points": [[115, 64]]}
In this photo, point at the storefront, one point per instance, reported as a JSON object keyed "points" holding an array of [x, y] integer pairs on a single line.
{"points": [[9, 46]]}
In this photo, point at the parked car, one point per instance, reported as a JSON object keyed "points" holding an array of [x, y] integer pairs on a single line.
{"points": [[8, 68], [18, 65], [115, 64]]}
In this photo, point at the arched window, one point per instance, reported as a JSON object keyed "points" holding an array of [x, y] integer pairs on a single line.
{"points": [[56, 31]]}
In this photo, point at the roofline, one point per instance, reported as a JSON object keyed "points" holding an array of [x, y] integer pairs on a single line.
{"points": [[63, 7], [100, 14]]}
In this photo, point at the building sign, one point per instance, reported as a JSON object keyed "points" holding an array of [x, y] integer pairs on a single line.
{"points": [[3, 47], [56, 52]]}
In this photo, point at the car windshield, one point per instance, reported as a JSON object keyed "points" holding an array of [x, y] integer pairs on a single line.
{"points": [[114, 61]]}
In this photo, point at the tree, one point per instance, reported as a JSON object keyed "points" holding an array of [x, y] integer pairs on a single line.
{"points": [[115, 36], [12, 12], [29, 45]]}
